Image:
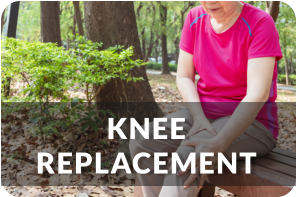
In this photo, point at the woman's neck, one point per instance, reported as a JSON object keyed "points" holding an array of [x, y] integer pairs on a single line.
{"points": [[221, 25]]}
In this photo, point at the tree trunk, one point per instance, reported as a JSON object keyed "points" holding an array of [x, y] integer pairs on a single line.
{"points": [[163, 16], [176, 51], [50, 22], [287, 72], [291, 63], [182, 21], [273, 9], [151, 42], [176, 40], [278, 68], [176, 45], [149, 50], [251, 2], [3, 20], [68, 43], [156, 51], [114, 23], [289, 66], [143, 50], [78, 18], [286, 63], [74, 26], [143, 44]]}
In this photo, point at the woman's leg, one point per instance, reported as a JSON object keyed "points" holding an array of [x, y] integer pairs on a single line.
{"points": [[257, 138], [151, 182]]}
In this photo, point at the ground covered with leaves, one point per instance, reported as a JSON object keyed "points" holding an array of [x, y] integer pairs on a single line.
{"points": [[19, 146]]}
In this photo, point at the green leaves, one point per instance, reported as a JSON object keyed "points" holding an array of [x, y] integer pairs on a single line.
{"points": [[112, 114], [85, 126], [94, 118], [39, 64], [51, 72], [92, 113], [94, 125], [90, 123]]}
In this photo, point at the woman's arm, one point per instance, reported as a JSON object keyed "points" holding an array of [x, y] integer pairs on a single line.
{"points": [[260, 72], [259, 79], [185, 80]]}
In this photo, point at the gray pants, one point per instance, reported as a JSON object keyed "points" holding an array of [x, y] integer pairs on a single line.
{"points": [[257, 138]]}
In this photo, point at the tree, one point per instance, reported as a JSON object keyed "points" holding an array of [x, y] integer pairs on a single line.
{"points": [[114, 23], [150, 25], [50, 22], [29, 21], [151, 18], [78, 18], [286, 62], [150, 47], [2, 24], [3, 20], [251, 2], [286, 25], [157, 50], [183, 11], [142, 32], [273, 9], [147, 22], [163, 17]]}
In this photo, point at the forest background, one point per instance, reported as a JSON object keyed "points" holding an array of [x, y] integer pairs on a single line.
{"points": [[159, 30], [157, 35]]}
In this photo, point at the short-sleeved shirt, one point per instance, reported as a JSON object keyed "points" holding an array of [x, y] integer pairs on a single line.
{"points": [[221, 60]]}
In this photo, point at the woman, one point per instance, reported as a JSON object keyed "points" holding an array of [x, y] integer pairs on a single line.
{"points": [[234, 48]]}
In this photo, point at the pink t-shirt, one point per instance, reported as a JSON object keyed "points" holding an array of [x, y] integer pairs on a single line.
{"points": [[221, 60]]}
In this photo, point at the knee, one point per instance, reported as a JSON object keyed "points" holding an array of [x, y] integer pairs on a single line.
{"points": [[183, 153]]}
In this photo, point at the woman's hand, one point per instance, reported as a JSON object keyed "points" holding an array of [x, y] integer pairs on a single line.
{"points": [[202, 145], [200, 126]]}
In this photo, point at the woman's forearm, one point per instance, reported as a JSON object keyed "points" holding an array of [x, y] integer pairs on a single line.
{"points": [[191, 97], [241, 119]]}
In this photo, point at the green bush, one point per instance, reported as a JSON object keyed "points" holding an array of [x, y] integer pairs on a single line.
{"points": [[49, 72], [154, 66], [158, 66], [281, 78], [173, 67]]}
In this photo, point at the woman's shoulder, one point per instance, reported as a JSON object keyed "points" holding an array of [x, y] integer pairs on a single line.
{"points": [[196, 11], [256, 15]]}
